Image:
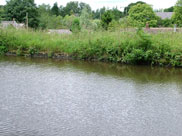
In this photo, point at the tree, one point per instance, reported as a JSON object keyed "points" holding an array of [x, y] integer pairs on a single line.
{"points": [[74, 7], [126, 9], [85, 18], [113, 25], [116, 14], [76, 25], [106, 18], [83, 6], [68, 20], [55, 9], [177, 17], [47, 20], [141, 14], [44, 9], [171, 9], [1, 13], [17, 9], [44, 14], [167, 22], [71, 8], [55, 22], [98, 13], [62, 11]]}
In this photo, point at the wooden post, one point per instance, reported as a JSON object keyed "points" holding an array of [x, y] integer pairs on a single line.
{"points": [[175, 26], [27, 20], [147, 26]]}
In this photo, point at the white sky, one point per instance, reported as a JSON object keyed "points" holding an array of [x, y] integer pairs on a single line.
{"points": [[95, 4]]}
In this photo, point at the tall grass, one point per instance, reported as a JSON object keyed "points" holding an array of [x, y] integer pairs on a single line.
{"points": [[122, 47]]}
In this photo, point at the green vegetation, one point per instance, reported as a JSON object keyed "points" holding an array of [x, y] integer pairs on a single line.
{"points": [[96, 34], [62, 17], [106, 19], [127, 9], [121, 47], [17, 9], [76, 25], [141, 14], [178, 16], [55, 9], [171, 9], [1, 13]]}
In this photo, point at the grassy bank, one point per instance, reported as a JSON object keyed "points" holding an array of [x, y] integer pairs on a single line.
{"points": [[121, 47]]}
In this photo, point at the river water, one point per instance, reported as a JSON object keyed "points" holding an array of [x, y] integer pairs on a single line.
{"points": [[40, 97]]}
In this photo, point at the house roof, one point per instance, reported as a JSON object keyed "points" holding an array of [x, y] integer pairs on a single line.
{"points": [[13, 23], [8, 22], [60, 31], [165, 15]]}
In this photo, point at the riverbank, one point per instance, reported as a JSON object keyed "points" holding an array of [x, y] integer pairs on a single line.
{"points": [[121, 47]]}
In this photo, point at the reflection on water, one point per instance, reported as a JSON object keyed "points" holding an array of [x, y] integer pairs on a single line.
{"points": [[40, 97]]}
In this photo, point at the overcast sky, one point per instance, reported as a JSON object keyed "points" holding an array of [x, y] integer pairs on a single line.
{"points": [[95, 4]]}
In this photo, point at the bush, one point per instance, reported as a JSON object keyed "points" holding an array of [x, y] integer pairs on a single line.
{"points": [[121, 47], [3, 50], [106, 18], [140, 52], [3, 42], [68, 21], [141, 14], [76, 25], [114, 25], [177, 16], [167, 23]]}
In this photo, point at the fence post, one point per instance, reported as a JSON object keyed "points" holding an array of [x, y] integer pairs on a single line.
{"points": [[27, 20], [175, 26]]}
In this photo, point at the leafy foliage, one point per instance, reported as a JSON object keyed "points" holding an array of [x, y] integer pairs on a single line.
{"points": [[76, 25], [68, 20], [117, 14], [85, 18], [127, 9], [167, 22], [1, 13], [98, 13], [47, 20], [74, 8], [141, 14], [171, 9], [177, 18], [126, 47], [17, 9], [55, 9], [164, 22], [106, 18]]}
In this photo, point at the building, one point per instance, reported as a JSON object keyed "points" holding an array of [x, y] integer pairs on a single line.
{"points": [[5, 24], [165, 15], [60, 31]]}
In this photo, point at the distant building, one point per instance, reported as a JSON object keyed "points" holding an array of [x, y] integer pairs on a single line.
{"points": [[60, 31], [5, 24], [165, 15]]}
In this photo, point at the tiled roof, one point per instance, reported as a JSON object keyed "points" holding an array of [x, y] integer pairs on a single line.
{"points": [[165, 15], [60, 31], [5, 24]]}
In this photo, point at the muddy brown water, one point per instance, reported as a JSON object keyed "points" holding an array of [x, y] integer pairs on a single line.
{"points": [[40, 97]]}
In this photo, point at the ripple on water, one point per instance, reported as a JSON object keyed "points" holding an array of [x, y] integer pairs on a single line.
{"points": [[88, 99]]}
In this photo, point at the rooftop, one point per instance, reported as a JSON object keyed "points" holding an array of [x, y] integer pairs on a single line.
{"points": [[165, 15]]}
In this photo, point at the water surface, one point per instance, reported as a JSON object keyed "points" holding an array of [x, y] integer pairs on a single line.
{"points": [[40, 97]]}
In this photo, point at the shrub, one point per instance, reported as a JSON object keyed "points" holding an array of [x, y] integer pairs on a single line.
{"points": [[123, 47], [141, 14], [76, 25], [3, 50], [106, 18]]}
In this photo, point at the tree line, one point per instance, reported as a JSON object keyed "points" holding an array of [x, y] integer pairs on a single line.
{"points": [[78, 15]]}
